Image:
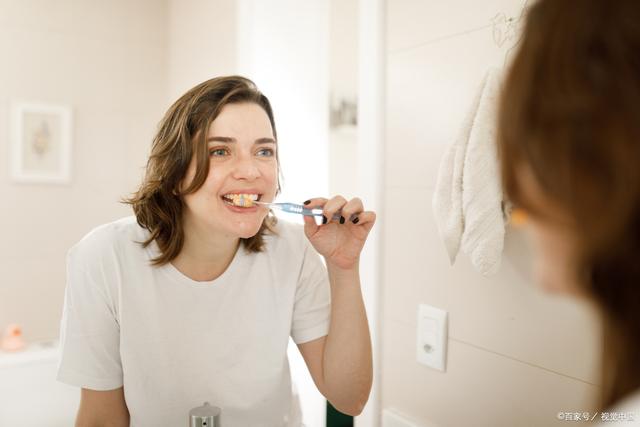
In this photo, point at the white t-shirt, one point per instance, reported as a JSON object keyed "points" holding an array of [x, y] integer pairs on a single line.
{"points": [[174, 343]]}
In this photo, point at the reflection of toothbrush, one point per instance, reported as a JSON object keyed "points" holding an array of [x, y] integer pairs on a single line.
{"points": [[297, 209]]}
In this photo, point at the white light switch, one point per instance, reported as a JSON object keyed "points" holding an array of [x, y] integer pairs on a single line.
{"points": [[432, 337]]}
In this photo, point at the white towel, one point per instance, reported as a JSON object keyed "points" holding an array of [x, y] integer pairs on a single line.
{"points": [[467, 201]]}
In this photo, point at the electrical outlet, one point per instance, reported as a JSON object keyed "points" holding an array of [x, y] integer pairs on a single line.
{"points": [[431, 349]]}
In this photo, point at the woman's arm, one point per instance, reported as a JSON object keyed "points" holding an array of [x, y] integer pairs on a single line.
{"points": [[102, 409], [341, 363]]}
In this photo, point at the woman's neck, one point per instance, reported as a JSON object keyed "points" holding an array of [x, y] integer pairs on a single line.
{"points": [[204, 257]]}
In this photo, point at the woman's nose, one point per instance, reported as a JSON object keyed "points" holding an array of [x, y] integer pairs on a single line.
{"points": [[245, 168]]}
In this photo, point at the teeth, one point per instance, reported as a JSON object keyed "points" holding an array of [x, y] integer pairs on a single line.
{"points": [[242, 200]]}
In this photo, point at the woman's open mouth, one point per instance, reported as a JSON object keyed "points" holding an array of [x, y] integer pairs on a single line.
{"points": [[241, 200]]}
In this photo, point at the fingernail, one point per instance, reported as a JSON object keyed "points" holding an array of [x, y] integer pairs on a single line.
{"points": [[307, 202], [324, 219], [341, 220], [355, 220]]}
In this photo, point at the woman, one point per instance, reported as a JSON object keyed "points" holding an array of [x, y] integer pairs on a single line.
{"points": [[569, 145], [194, 299]]}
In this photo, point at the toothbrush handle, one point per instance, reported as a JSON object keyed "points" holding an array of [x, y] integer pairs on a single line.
{"points": [[300, 209], [311, 212]]}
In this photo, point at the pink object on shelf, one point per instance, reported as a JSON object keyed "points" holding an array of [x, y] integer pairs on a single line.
{"points": [[12, 339]]}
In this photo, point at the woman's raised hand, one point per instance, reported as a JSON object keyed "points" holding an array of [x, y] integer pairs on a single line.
{"points": [[339, 240]]}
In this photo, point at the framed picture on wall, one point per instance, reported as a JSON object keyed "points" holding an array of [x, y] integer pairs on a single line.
{"points": [[40, 143]]}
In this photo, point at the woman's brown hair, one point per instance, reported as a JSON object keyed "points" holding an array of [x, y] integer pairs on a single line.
{"points": [[181, 134], [570, 116]]}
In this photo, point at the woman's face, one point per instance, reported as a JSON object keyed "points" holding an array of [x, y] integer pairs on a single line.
{"points": [[242, 157]]}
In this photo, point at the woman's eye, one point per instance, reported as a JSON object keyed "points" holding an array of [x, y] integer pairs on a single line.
{"points": [[218, 152], [266, 152]]}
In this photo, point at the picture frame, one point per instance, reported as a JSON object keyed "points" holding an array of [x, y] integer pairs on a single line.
{"points": [[40, 139]]}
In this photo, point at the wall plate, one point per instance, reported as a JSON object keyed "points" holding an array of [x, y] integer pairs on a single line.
{"points": [[431, 347]]}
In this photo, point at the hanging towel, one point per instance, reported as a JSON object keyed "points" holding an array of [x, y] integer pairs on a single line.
{"points": [[447, 198], [467, 201]]}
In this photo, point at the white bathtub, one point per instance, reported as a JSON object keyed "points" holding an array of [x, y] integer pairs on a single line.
{"points": [[29, 392]]}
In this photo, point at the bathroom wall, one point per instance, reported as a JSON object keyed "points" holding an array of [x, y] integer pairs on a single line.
{"points": [[201, 42], [343, 86], [107, 60], [516, 356]]}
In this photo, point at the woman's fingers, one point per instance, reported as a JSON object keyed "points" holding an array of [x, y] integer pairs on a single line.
{"points": [[351, 209], [332, 207], [316, 202], [338, 209], [310, 225], [365, 219]]}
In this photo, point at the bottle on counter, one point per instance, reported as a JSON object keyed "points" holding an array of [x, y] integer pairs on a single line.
{"points": [[205, 416]]}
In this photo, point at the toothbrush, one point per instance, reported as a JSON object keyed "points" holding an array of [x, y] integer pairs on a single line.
{"points": [[297, 209]]}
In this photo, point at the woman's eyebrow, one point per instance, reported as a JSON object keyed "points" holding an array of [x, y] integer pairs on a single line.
{"points": [[221, 139], [229, 140], [265, 141]]}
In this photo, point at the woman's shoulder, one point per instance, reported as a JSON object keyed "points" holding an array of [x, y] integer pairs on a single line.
{"points": [[108, 237]]}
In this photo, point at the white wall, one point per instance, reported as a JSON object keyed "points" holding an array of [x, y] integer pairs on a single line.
{"points": [[201, 43], [516, 357], [343, 85], [107, 61]]}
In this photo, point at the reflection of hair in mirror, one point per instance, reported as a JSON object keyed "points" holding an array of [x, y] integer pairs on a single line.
{"points": [[181, 135], [570, 114]]}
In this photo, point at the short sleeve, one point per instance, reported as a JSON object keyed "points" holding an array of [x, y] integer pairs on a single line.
{"points": [[312, 307], [89, 330]]}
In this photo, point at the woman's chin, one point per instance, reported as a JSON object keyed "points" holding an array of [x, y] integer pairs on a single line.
{"points": [[246, 230], [247, 235]]}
